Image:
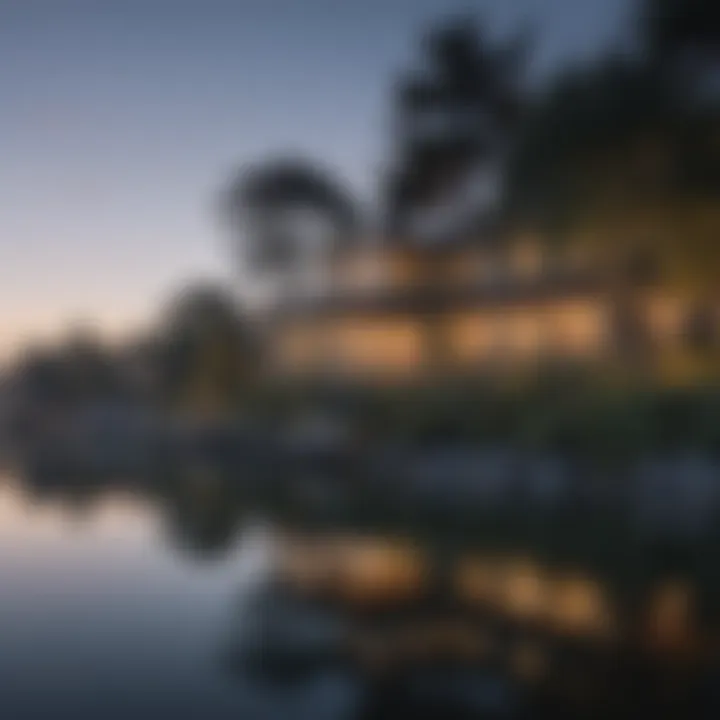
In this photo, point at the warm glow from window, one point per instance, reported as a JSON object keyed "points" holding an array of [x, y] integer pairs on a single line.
{"points": [[666, 316], [578, 327], [472, 336], [378, 345]]}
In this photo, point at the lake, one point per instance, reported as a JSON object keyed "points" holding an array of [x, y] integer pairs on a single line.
{"points": [[102, 615], [146, 598]]}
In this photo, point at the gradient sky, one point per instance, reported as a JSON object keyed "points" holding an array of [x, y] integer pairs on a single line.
{"points": [[120, 120]]}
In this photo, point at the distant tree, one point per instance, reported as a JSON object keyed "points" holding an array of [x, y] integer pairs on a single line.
{"points": [[90, 367], [78, 371], [206, 352], [39, 377]]}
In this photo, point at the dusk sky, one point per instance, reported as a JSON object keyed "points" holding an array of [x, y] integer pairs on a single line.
{"points": [[121, 119]]}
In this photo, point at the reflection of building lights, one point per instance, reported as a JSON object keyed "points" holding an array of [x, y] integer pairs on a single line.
{"points": [[670, 617], [355, 570], [579, 606], [381, 573], [524, 591], [512, 586], [529, 661], [477, 580]]}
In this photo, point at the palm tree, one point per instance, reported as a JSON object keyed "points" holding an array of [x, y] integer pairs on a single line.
{"points": [[452, 118], [284, 212]]}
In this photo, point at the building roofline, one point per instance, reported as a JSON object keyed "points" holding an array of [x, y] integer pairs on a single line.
{"points": [[428, 300]]}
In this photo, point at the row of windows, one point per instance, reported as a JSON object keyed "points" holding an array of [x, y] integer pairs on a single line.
{"points": [[387, 345], [568, 329]]}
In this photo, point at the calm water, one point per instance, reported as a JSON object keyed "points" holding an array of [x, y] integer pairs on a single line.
{"points": [[131, 600], [102, 615]]}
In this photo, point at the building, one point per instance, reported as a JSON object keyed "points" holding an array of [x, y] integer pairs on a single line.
{"points": [[389, 313], [445, 288]]}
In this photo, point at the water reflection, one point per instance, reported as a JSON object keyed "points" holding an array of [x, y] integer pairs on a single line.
{"points": [[394, 611], [198, 593]]}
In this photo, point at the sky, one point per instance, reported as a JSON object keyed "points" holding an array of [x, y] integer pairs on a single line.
{"points": [[120, 120]]}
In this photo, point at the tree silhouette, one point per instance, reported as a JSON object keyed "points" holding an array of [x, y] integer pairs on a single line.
{"points": [[619, 153], [208, 353], [275, 208], [674, 29], [451, 118]]}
